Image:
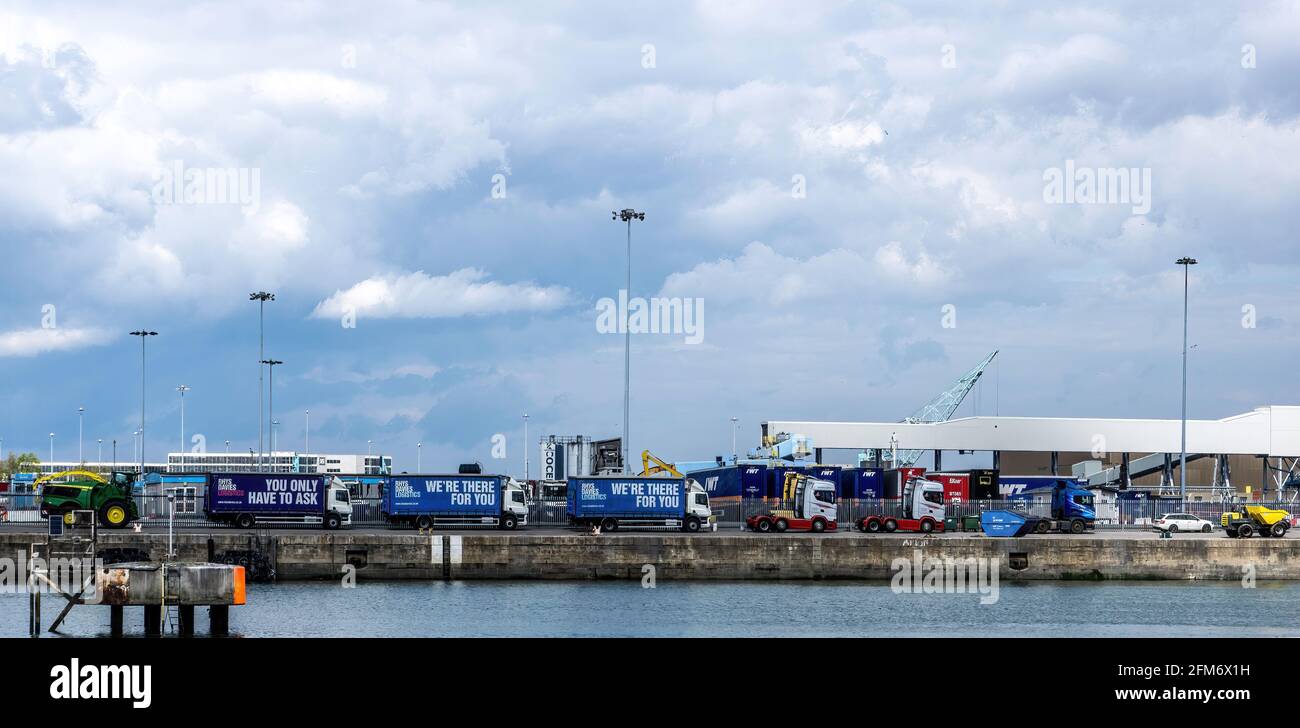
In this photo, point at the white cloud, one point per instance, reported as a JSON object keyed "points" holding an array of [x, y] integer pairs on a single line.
{"points": [[465, 292], [31, 342]]}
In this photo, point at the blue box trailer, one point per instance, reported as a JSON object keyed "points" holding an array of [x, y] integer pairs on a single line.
{"points": [[619, 501], [425, 501], [246, 499], [719, 482], [862, 483]]}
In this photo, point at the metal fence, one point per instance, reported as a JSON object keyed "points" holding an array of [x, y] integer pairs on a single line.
{"points": [[1123, 513]]}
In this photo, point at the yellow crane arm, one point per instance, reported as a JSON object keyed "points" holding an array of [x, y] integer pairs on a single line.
{"points": [[659, 466]]}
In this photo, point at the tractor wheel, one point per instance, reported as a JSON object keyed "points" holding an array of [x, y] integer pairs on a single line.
{"points": [[1279, 529], [113, 515], [1245, 530]]}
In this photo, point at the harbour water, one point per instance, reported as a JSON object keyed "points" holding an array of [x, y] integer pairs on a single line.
{"points": [[748, 609]]}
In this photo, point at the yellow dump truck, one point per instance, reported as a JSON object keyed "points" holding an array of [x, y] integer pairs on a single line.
{"points": [[1249, 520]]}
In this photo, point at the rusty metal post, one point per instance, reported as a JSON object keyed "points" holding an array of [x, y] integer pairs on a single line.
{"points": [[219, 620], [153, 620], [185, 613]]}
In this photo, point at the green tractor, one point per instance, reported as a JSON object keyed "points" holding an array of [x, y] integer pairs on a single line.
{"points": [[110, 498]]}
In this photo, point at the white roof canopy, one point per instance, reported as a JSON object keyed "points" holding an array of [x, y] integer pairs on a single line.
{"points": [[1272, 431]]}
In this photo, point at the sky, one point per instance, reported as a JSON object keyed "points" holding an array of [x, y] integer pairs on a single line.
{"points": [[856, 201]]}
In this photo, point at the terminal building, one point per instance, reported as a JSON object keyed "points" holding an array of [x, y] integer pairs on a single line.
{"points": [[211, 462]]}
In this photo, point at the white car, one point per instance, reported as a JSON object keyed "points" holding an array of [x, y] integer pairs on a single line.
{"points": [[1175, 522]]}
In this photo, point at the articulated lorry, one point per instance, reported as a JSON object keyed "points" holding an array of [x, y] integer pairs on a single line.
{"points": [[426, 501], [614, 502], [248, 499], [922, 510], [1072, 509], [808, 504]]}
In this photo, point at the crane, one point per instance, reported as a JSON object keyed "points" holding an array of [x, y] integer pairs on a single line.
{"points": [[940, 409]]}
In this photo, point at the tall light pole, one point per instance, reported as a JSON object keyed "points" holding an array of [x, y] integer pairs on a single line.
{"points": [[99, 456], [144, 335], [306, 437], [227, 447], [525, 446], [261, 297], [1186, 263], [275, 425], [81, 411], [51, 448], [183, 389], [271, 364], [627, 215], [733, 439], [418, 447]]}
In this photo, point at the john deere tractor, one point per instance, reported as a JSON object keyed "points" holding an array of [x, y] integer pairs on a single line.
{"points": [[110, 498], [1249, 520]]}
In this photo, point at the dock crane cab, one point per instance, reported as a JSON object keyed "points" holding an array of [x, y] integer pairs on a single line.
{"points": [[808, 504]]}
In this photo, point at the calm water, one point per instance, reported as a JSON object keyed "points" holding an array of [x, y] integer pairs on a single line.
{"points": [[508, 609]]}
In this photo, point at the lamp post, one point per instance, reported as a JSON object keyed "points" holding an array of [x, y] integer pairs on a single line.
{"points": [[525, 446], [1186, 263], [81, 411], [227, 447], [99, 455], [144, 335], [306, 437], [183, 389], [627, 215], [275, 425], [271, 364], [419, 446], [261, 297], [51, 448]]}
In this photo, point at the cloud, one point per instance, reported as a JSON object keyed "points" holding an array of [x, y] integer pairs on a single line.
{"points": [[31, 342], [465, 292]]}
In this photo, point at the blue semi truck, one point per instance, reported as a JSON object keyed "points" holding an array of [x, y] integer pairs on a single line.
{"points": [[611, 503], [248, 499], [426, 501], [1071, 507]]}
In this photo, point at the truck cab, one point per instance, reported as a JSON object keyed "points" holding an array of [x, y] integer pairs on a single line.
{"points": [[338, 503], [514, 503], [698, 511], [808, 504], [922, 510]]}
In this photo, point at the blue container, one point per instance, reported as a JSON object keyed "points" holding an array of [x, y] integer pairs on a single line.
{"points": [[444, 495], [721, 482], [1031, 487], [620, 497], [753, 480], [862, 483], [1004, 524]]}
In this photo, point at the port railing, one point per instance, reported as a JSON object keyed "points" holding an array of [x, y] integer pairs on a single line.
{"points": [[24, 508]]}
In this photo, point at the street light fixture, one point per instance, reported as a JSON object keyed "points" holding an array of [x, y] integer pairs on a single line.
{"points": [[627, 215], [1186, 263], [271, 364], [183, 389], [144, 335], [261, 297]]}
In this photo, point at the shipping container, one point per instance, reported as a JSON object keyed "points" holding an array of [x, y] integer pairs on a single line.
{"points": [[956, 486], [862, 483], [895, 479]]}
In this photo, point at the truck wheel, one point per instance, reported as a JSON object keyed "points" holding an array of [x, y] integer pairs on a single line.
{"points": [[764, 525], [113, 515], [423, 522], [609, 524], [891, 525], [871, 525], [781, 525], [1077, 526], [818, 525], [1042, 527], [332, 522], [927, 526], [245, 520], [1245, 530], [509, 522], [692, 525], [1279, 529]]}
